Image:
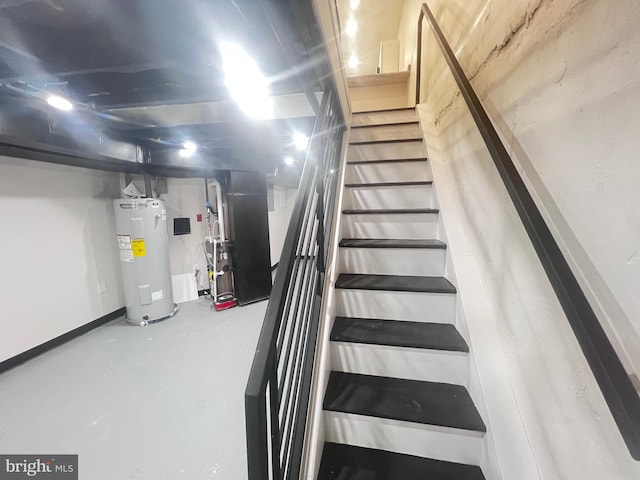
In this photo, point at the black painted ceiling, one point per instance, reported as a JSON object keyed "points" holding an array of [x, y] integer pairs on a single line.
{"points": [[117, 54]]}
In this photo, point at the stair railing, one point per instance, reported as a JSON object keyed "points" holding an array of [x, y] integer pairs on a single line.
{"points": [[277, 393], [615, 384]]}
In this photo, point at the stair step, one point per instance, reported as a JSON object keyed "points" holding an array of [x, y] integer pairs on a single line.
{"points": [[348, 462], [394, 305], [388, 123], [387, 160], [389, 195], [398, 149], [388, 184], [408, 138], [429, 365], [388, 171], [394, 283], [431, 403], [385, 110], [390, 211], [429, 262], [380, 133], [383, 118], [391, 243], [435, 336], [379, 256], [413, 226]]}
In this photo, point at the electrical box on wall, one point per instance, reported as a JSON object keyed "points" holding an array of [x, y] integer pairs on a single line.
{"points": [[182, 226]]}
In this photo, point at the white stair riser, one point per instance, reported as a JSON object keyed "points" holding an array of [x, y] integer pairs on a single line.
{"points": [[388, 172], [408, 196], [400, 362], [439, 443], [375, 118], [390, 132], [393, 261], [407, 225], [386, 151], [385, 305]]}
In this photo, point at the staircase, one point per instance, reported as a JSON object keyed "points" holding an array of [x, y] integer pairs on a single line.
{"points": [[396, 404]]}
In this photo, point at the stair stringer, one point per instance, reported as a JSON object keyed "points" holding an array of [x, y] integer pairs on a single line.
{"points": [[507, 450]]}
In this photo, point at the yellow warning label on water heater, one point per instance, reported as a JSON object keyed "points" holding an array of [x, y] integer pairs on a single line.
{"points": [[137, 245]]}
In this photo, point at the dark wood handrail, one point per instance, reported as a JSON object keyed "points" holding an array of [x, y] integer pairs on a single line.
{"points": [[615, 384]]}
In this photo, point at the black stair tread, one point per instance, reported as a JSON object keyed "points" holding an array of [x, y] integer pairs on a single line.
{"points": [[388, 184], [395, 283], [372, 331], [393, 123], [388, 140], [391, 243], [417, 401], [387, 160], [348, 462], [392, 211], [383, 110]]}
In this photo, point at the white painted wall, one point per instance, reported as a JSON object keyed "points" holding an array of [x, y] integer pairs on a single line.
{"points": [[60, 265], [560, 404], [186, 198], [559, 80], [283, 201], [59, 260], [561, 91], [377, 21]]}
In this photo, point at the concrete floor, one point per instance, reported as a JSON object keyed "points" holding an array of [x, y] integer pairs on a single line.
{"points": [[159, 402]]}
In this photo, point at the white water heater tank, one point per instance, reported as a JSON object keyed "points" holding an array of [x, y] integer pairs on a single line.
{"points": [[141, 225]]}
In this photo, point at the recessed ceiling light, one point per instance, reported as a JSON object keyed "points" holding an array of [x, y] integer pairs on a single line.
{"points": [[288, 160], [300, 140], [354, 4], [353, 61], [188, 149], [190, 146], [246, 83], [352, 27], [60, 103]]}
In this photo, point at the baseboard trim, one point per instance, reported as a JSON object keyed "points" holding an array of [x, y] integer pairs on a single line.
{"points": [[57, 341]]}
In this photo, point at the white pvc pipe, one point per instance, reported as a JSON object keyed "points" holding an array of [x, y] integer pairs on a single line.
{"points": [[220, 209], [215, 267]]}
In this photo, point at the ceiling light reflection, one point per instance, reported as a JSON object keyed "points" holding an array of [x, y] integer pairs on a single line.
{"points": [[352, 28], [300, 141], [60, 103], [246, 83], [188, 149]]}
